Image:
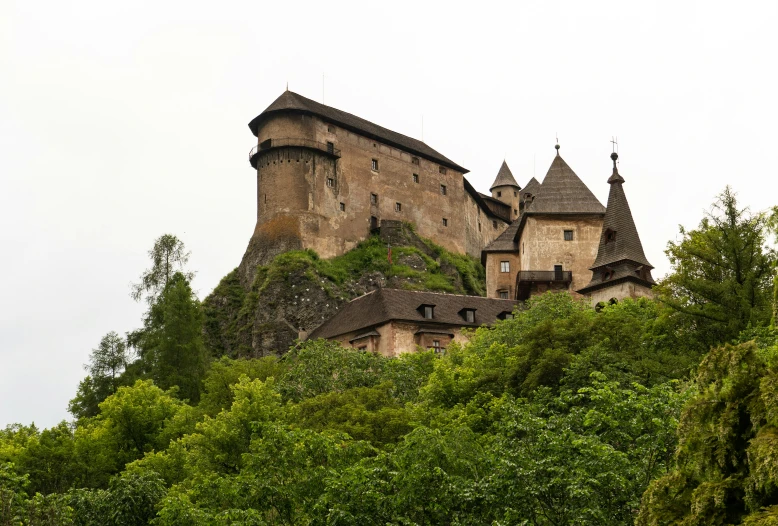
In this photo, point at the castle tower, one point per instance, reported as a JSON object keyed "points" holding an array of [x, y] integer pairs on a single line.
{"points": [[620, 269], [506, 189]]}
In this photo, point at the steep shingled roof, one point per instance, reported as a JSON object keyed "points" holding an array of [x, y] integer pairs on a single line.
{"points": [[563, 192], [504, 177], [533, 187], [384, 305], [625, 244], [290, 102]]}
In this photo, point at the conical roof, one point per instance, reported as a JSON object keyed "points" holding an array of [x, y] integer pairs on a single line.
{"points": [[620, 240], [533, 187], [504, 177], [562, 192]]}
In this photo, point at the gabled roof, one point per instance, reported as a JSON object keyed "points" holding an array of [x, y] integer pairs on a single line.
{"points": [[384, 305], [626, 243], [505, 242], [504, 177], [290, 102], [563, 192]]}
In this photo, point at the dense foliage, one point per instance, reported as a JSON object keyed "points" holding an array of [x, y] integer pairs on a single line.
{"points": [[646, 412]]}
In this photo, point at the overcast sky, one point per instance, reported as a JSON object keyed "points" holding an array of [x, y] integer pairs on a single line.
{"points": [[121, 121]]}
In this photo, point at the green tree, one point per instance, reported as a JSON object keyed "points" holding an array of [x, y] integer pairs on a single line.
{"points": [[721, 279], [105, 367], [168, 257], [170, 344]]}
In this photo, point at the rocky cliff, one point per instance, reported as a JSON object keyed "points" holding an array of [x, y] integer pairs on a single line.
{"points": [[261, 310]]}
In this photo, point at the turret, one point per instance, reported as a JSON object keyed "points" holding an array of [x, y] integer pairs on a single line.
{"points": [[620, 269], [506, 189]]}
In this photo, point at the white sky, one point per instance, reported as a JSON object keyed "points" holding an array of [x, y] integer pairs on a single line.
{"points": [[121, 121]]}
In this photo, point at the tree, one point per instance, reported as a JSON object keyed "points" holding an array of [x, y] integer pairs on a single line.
{"points": [[168, 256], [105, 367], [721, 280], [171, 343]]}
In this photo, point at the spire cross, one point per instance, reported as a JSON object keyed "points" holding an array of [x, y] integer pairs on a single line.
{"points": [[615, 143]]}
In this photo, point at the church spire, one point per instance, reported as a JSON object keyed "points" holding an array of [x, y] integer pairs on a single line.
{"points": [[620, 255]]}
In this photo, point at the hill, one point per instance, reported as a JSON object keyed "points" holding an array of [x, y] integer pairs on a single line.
{"points": [[297, 291]]}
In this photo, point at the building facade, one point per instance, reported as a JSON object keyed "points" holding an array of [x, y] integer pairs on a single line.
{"points": [[391, 322], [326, 178]]}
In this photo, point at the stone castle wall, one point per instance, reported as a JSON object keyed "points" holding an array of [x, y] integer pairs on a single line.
{"points": [[297, 208]]}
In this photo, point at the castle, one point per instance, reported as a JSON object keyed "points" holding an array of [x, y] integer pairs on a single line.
{"points": [[326, 179]]}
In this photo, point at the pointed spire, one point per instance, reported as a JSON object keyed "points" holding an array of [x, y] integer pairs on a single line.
{"points": [[504, 177], [620, 240]]}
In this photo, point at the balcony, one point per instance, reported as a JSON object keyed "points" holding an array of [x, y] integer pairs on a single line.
{"points": [[525, 279], [325, 147]]}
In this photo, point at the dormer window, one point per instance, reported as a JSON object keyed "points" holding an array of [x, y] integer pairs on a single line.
{"points": [[428, 311], [607, 273], [610, 235], [468, 315], [505, 315]]}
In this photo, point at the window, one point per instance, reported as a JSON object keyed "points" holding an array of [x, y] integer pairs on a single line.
{"points": [[515, 194], [468, 315], [374, 165], [494, 224], [373, 222], [398, 207], [499, 194], [415, 160], [443, 170], [503, 294], [479, 226], [362, 348], [508, 316], [373, 199], [610, 235], [505, 266], [330, 147], [568, 235], [443, 189], [331, 129], [558, 272], [427, 311], [330, 182], [342, 207], [445, 222], [436, 345], [515, 212], [416, 178]]}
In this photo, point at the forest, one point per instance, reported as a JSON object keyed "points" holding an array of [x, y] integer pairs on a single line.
{"points": [[646, 412]]}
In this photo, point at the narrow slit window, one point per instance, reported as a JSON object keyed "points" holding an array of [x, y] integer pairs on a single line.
{"points": [[373, 199], [443, 189], [445, 222], [416, 178], [342, 207], [374, 165], [398, 207]]}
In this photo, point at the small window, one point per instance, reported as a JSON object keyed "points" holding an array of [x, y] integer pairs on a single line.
{"points": [[494, 224], [342, 207], [331, 129], [508, 316], [374, 165], [443, 189], [398, 207], [330, 147], [443, 170], [479, 226], [416, 178], [505, 266], [330, 182], [362, 348], [499, 194], [373, 199], [415, 160], [445, 222], [468, 315], [610, 235], [503, 294], [436, 345], [568, 235], [515, 212], [428, 312], [515, 194]]}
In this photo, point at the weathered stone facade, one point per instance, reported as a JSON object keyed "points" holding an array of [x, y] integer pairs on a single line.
{"points": [[324, 186]]}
